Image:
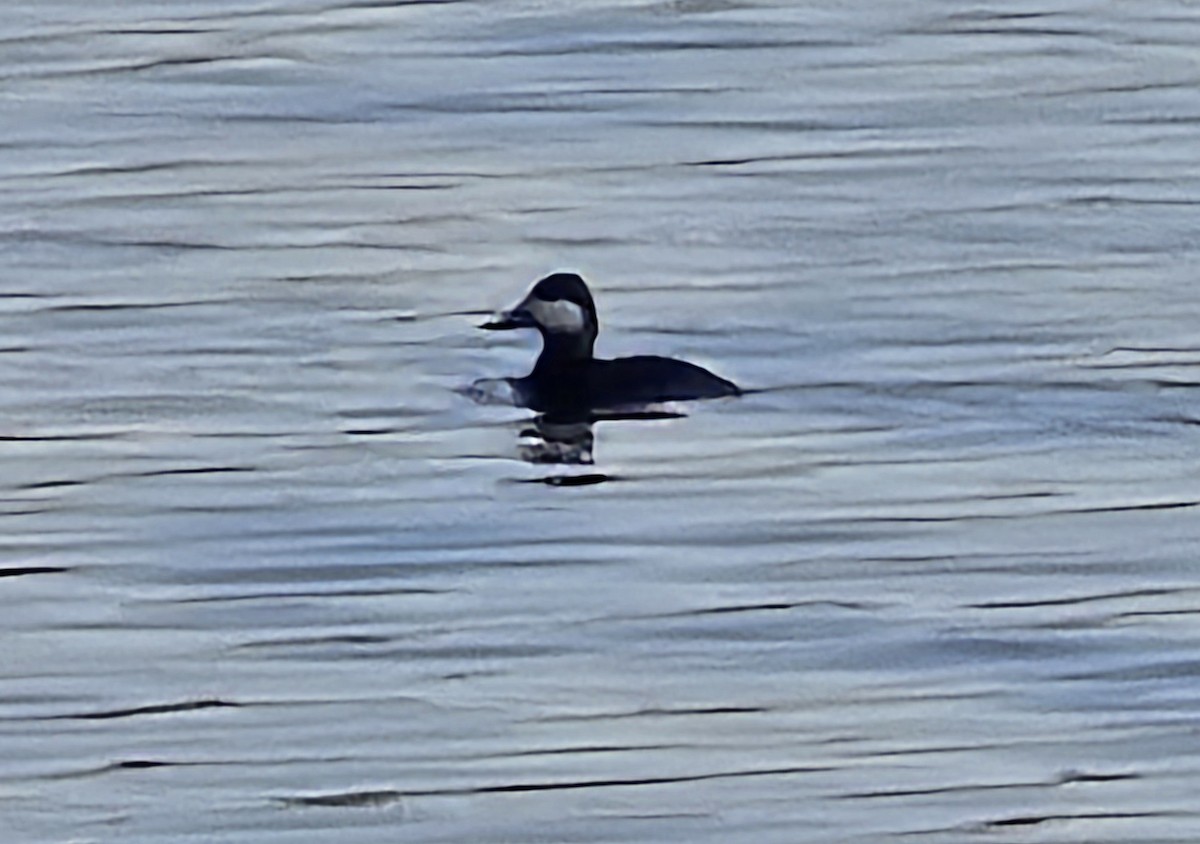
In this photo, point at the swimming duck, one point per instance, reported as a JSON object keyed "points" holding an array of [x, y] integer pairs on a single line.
{"points": [[567, 376]]}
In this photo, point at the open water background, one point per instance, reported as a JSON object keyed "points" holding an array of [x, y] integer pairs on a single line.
{"points": [[268, 577]]}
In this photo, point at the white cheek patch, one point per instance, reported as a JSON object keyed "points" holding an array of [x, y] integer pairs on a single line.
{"points": [[559, 316]]}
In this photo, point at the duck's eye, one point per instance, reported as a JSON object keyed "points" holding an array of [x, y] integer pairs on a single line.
{"points": [[561, 315]]}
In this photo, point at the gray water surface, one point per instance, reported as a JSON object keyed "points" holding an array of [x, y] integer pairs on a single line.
{"points": [[268, 576]]}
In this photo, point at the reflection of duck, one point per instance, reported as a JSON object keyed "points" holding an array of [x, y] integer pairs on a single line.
{"points": [[552, 441], [567, 439], [568, 379]]}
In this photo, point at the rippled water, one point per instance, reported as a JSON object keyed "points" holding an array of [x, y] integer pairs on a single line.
{"points": [[269, 576]]}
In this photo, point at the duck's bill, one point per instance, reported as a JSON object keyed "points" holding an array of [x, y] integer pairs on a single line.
{"points": [[504, 320]]}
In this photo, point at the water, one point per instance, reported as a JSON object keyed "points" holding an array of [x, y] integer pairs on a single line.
{"points": [[268, 576]]}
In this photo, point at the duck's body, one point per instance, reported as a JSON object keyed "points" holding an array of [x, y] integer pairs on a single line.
{"points": [[624, 382], [567, 377]]}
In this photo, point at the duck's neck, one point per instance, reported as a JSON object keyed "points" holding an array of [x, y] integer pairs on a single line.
{"points": [[563, 351]]}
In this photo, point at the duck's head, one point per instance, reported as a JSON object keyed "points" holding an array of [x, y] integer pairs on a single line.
{"points": [[559, 306]]}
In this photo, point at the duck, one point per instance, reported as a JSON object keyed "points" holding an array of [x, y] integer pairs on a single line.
{"points": [[568, 377]]}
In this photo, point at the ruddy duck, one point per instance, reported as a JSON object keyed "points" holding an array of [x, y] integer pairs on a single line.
{"points": [[567, 378]]}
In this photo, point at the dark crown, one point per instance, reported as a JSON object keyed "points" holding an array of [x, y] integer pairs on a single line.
{"points": [[564, 286]]}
